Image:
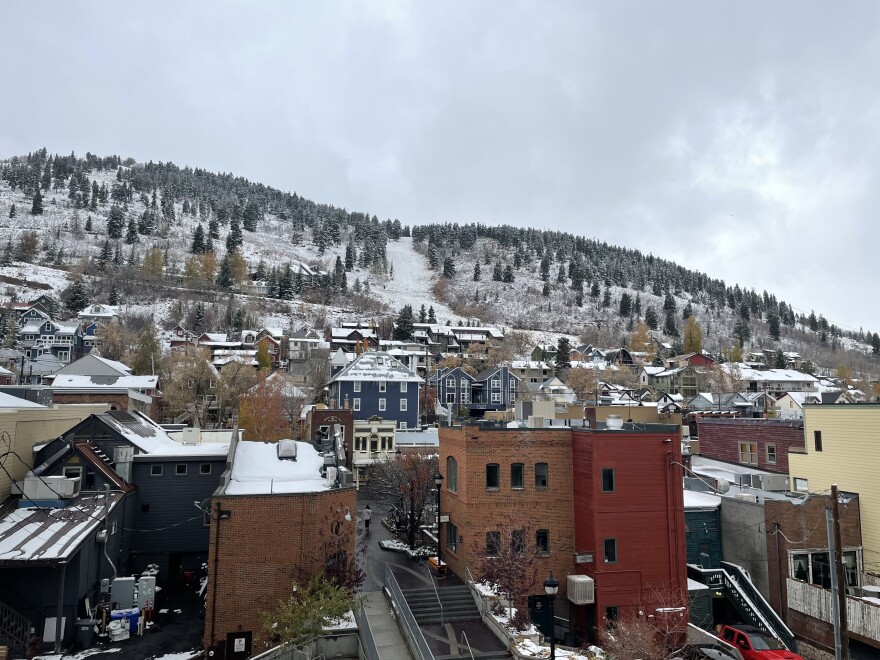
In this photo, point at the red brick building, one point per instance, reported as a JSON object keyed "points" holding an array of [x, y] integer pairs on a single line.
{"points": [[758, 443], [274, 523], [629, 517], [598, 499]]}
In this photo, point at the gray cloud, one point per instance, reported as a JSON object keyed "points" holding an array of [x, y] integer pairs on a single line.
{"points": [[740, 140]]}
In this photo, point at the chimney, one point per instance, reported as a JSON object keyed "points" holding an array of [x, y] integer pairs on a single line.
{"points": [[345, 403]]}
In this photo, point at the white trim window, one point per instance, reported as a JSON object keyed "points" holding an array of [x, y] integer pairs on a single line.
{"points": [[496, 397], [496, 383], [403, 387], [383, 386], [403, 404], [356, 404], [450, 397], [450, 382], [357, 386], [382, 405]]}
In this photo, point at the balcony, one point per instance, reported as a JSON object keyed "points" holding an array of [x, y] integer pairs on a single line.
{"points": [[863, 616]]}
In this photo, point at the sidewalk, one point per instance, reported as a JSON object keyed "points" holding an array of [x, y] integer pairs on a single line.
{"points": [[383, 625]]}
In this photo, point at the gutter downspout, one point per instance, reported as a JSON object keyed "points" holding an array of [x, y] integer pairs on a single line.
{"points": [[59, 611], [107, 528]]}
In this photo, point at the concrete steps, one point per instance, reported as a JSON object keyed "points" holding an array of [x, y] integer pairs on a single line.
{"points": [[458, 605]]}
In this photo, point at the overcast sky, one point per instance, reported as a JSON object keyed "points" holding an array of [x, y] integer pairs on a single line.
{"points": [[740, 139]]}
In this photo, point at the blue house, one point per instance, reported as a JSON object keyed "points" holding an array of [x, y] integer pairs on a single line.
{"points": [[376, 384], [454, 387], [39, 336], [494, 388]]}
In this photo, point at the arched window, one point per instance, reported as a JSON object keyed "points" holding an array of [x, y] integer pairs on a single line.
{"points": [[451, 473]]}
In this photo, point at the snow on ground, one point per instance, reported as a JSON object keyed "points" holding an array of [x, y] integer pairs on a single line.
{"points": [[78, 656], [412, 283], [182, 655]]}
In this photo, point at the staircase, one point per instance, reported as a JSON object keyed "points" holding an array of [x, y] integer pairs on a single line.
{"points": [[457, 605], [745, 597], [15, 630]]}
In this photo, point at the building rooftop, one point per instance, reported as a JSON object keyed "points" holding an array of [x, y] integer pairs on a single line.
{"points": [[376, 366], [152, 439], [257, 470]]}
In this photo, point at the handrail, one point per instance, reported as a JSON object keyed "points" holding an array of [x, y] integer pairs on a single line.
{"points": [[469, 575], [368, 642], [738, 575], [15, 626], [412, 629], [467, 643], [436, 595]]}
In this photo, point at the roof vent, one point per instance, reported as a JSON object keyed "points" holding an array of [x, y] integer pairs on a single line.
{"points": [[614, 422], [287, 450]]}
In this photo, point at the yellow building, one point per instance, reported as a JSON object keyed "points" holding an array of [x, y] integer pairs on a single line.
{"points": [[24, 424], [842, 446]]}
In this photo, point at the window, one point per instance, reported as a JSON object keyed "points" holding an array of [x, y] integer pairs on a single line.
{"points": [[493, 544], [496, 383], [381, 405], [518, 541], [492, 476], [360, 443], [801, 485], [403, 388], [607, 480], [748, 453], [374, 443], [450, 382], [452, 537], [387, 443], [73, 471], [817, 440], [156, 470], [610, 551], [451, 473], [496, 397], [542, 541], [813, 567], [517, 475], [383, 386], [180, 469], [357, 386], [403, 403], [541, 475], [450, 396], [205, 468], [465, 384], [402, 426], [356, 404], [771, 453], [612, 616]]}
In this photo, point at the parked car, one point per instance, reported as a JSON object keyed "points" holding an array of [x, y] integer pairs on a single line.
{"points": [[755, 644]]}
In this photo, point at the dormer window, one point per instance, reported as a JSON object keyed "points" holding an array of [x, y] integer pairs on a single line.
{"points": [[47, 327]]}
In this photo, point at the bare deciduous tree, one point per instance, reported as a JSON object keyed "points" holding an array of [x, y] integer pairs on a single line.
{"points": [[405, 484]]}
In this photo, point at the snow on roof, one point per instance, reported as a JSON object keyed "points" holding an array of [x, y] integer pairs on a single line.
{"points": [[376, 365], [99, 310], [428, 437], [693, 585], [696, 500], [9, 401], [529, 364], [5, 372], [113, 364], [41, 534], [152, 439], [257, 470], [653, 371], [771, 375], [74, 382], [213, 336]]}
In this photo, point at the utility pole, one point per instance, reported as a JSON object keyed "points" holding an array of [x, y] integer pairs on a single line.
{"points": [[839, 572]]}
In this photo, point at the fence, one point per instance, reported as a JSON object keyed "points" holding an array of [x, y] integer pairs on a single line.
{"points": [[863, 617], [411, 629]]}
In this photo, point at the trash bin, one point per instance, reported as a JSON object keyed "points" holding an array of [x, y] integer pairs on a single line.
{"points": [[85, 631]]}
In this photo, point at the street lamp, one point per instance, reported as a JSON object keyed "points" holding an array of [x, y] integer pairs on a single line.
{"points": [[438, 481], [551, 586]]}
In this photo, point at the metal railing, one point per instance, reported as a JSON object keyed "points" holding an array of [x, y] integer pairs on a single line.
{"points": [[14, 626], [368, 642], [738, 575], [410, 627], [436, 595], [466, 643]]}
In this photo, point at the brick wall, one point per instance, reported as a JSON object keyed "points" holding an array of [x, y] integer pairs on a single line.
{"points": [[267, 543], [474, 510], [720, 438]]}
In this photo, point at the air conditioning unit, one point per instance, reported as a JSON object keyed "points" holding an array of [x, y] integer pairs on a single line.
{"points": [[747, 497], [287, 450], [581, 590], [190, 436], [345, 478]]}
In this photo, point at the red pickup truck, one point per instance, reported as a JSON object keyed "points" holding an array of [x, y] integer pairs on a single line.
{"points": [[755, 644]]}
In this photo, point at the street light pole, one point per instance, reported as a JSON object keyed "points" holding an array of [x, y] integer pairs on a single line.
{"points": [[551, 586], [438, 481]]}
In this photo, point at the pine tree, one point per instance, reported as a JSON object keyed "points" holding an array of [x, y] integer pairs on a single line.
{"points": [[669, 327], [88, 226], [625, 308], [742, 331], [403, 326], [595, 290], [115, 222], [37, 205], [563, 353], [350, 257], [75, 296], [214, 229], [431, 317], [131, 234], [12, 210], [198, 243], [113, 299], [432, 258], [875, 344], [234, 239], [669, 303], [477, 272], [199, 323], [8, 254], [651, 318], [105, 257], [507, 277], [814, 324], [448, 268], [423, 314], [545, 291], [773, 322], [606, 298], [497, 272], [224, 276]]}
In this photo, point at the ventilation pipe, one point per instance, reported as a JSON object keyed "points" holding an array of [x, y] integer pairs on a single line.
{"points": [[104, 534]]}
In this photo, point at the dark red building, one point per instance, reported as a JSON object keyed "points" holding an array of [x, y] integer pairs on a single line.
{"points": [[759, 443], [629, 519]]}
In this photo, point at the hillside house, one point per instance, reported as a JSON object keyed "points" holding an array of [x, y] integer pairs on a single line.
{"points": [[697, 360], [99, 313], [772, 380], [354, 340], [761, 443], [377, 385], [531, 371], [303, 342], [454, 387], [494, 389], [680, 380]]}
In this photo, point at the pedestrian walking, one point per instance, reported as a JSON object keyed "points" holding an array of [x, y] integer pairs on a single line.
{"points": [[368, 515]]}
